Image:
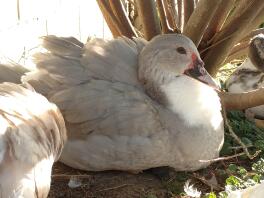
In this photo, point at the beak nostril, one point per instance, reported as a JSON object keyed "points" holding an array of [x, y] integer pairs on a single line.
{"points": [[196, 70], [202, 70]]}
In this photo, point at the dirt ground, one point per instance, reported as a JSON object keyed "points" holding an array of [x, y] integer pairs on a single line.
{"points": [[108, 184], [155, 183]]}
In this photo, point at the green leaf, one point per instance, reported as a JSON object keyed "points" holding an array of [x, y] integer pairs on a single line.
{"points": [[210, 195], [257, 178], [233, 181], [226, 149], [259, 144], [232, 168], [151, 196], [223, 195], [246, 141], [242, 171]]}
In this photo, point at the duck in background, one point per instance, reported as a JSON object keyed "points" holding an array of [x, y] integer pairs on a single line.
{"points": [[250, 75], [32, 137], [131, 104]]}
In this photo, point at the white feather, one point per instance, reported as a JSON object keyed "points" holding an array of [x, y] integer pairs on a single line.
{"points": [[200, 98]]}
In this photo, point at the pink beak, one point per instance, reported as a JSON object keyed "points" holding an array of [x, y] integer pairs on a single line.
{"points": [[197, 71]]}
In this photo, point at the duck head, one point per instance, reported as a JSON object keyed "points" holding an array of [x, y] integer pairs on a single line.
{"points": [[169, 56], [256, 52]]}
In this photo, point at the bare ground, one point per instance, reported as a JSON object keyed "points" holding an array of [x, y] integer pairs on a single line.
{"points": [[108, 184], [156, 183]]}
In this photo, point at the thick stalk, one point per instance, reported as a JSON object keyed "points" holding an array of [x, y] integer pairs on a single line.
{"points": [[180, 14], [218, 20], [241, 49], [197, 24], [188, 6], [171, 11], [120, 13], [240, 101], [148, 14], [163, 17], [109, 17], [240, 6], [258, 20], [229, 36]]}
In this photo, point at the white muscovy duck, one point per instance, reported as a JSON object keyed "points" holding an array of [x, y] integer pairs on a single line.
{"points": [[33, 133], [250, 74], [129, 105]]}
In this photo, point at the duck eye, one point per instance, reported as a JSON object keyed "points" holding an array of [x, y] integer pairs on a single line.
{"points": [[181, 50]]}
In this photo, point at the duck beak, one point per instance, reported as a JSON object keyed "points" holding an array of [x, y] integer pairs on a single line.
{"points": [[197, 71]]}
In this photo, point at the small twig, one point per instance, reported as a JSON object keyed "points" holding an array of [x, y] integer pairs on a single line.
{"points": [[203, 180], [232, 133], [223, 158], [115, 187], [69, 176], [239, 147]]}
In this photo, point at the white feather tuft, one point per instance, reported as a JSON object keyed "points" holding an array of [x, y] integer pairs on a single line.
{"points": [[190, 190]]}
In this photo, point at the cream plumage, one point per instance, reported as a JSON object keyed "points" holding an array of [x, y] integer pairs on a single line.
{"points": [[128, 105], [32, 135]]}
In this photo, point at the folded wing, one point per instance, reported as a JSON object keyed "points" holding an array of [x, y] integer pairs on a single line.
{"points": [[101, 107]]}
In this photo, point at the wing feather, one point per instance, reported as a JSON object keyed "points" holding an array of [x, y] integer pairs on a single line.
{"points": [[107, 109]]}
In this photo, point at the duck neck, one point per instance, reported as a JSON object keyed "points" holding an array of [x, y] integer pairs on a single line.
{"points": [[196, 103], [152, 80]]}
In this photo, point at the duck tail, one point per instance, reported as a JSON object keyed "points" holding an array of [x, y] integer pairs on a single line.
{"points": [[63, 46], [57, 64]]}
